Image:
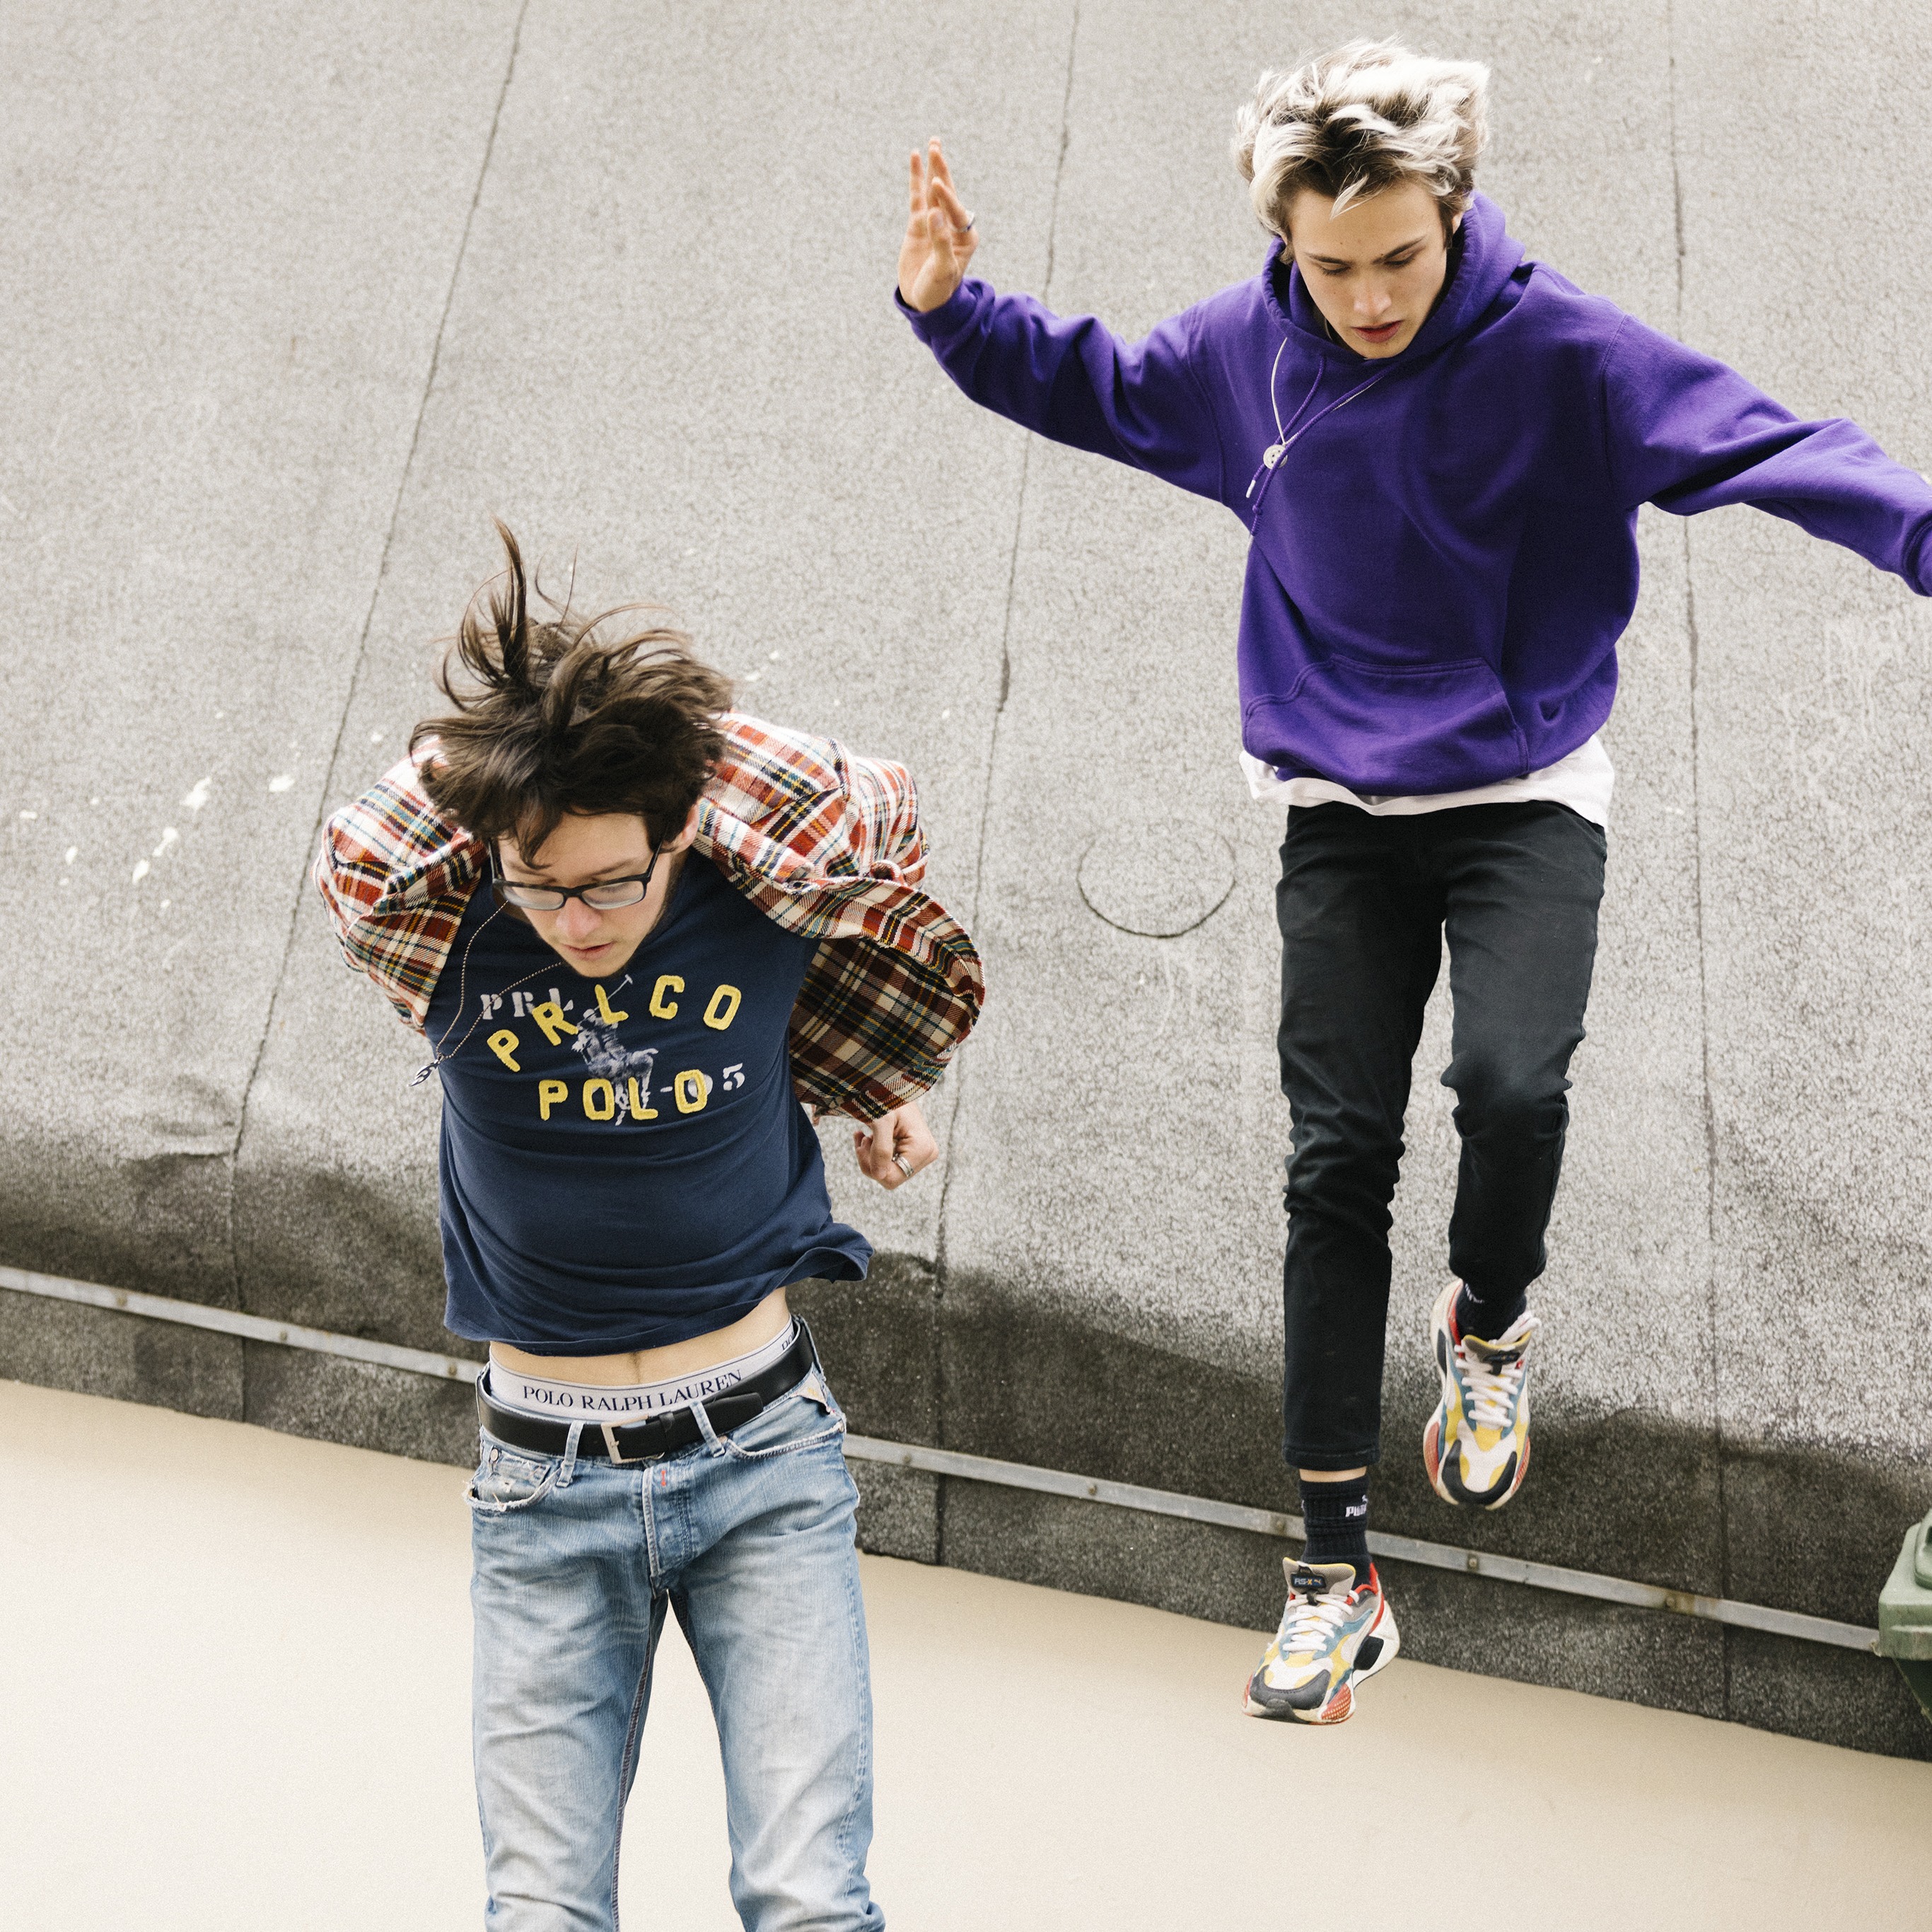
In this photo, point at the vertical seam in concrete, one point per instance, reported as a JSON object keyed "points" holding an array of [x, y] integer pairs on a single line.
{"points": [[1026, 472], [1697, 899], [1019, 506], [362, 640], [941, 1264], [1060, 164]]}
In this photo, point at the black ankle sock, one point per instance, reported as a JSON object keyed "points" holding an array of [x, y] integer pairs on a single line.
{"points": [[1487, 1317], [1336, 1515]]}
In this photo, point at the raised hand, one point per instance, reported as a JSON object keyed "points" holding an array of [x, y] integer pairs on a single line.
{"points": [[939, 237]]}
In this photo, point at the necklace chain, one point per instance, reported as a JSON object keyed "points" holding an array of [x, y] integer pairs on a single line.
{"points": [[437, 1056]]}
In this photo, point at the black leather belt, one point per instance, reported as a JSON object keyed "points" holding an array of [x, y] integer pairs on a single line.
{"points": [[662, 1434]]}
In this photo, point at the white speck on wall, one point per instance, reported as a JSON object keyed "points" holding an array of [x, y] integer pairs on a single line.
{"points": [[72, 852], [93, 801], [281, 784], [774, 657], [169, 836], [198, 796], [140, 872], [30, 814], [375, 737], [165, 904], [750, 677], [948, 712]]}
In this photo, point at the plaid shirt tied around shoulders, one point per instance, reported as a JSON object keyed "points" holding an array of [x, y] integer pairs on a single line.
{"points": [[820, 841]]}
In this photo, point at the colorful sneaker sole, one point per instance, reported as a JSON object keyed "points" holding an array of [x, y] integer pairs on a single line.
{"points": [[1446, 1481], [1378, 1649], [1444, 1473]]}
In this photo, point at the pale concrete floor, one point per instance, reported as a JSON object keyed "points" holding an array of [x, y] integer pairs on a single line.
{"points": [[237, 1667]]}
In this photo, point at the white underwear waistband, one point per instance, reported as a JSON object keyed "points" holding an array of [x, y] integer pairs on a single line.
{"points": [[632, 1401]]}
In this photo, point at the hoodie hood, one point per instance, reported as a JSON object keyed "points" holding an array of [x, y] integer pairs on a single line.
{"points": [[1483, 258]]}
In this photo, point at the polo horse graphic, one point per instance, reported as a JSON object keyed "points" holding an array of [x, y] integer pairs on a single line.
{"points": [[606, 1055]]}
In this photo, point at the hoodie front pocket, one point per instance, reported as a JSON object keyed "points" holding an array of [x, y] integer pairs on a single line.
{"points": [[1391, 731]]}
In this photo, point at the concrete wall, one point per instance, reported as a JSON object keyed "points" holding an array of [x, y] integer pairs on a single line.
{"points": [[298, 298]]}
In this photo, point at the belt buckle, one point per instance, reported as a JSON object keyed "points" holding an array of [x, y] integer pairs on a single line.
{"points": [[616, 1456]]}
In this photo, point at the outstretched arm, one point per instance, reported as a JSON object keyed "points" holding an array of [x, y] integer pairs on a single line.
{"points": [[1687, 433], [1141, 404]]}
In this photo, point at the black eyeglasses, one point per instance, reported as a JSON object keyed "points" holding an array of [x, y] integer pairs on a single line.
{"points": [[606, 895]]}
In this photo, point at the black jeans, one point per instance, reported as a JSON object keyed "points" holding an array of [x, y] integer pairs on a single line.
{"points": [[1364, 904]]}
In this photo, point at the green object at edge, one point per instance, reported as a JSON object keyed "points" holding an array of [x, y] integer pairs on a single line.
{"points": [[1905, 1613]]}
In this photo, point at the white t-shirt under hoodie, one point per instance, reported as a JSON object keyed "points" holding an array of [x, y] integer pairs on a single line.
{"points": [[1582, 780]]}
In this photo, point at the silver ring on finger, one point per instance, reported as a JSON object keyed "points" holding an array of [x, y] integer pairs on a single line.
{"points": [[970, 220], [904, 1165]]}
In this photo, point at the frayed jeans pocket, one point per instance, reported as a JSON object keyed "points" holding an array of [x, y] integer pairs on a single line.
{"points": [[506, 1479]]}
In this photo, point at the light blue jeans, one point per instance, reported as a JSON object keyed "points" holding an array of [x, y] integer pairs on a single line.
{"points": [[748, 1537]]}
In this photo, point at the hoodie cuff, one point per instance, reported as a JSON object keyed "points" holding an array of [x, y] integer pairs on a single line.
{"points": [[952, 311], [1921, 576]]}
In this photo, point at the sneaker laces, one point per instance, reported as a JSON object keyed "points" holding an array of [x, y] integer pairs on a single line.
{"points": [[1494, 1377], [1309, 1623]]}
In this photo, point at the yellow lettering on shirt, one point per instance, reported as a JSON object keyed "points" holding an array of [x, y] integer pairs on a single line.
{"points": [[504, 1046], [727, 998], [662, 1008], [600, 1100], [603, 1006], [550, 1017], [549, 1092], [639, 1111], [690, 1091]]}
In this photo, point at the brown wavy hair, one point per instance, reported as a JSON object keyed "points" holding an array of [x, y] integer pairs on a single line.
{"points": [[551, 719]]}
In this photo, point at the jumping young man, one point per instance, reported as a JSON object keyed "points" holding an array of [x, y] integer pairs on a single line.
{"points": [[643, 934], [1439, 449]]}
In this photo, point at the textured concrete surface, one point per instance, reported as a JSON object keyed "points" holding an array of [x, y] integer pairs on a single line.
{"points": [[299, 299], [1812, 778], [230, 238], [286, 1681]]}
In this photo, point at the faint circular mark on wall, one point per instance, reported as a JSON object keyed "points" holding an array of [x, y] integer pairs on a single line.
{"points": [[1155, 878]]}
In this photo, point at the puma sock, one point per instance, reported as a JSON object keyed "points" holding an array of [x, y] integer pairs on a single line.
{"points": [[1337, 1515], [1487, 1317]]}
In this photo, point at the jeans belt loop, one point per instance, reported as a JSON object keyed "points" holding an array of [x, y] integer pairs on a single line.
{"points": [[713, 1447], [570, 1455]]}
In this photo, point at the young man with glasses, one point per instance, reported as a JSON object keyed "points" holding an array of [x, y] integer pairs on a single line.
{"points": [[643, 935], [1439, 449]]}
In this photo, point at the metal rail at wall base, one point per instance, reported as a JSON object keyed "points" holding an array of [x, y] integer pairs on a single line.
{"points": [[1010, 1475]]}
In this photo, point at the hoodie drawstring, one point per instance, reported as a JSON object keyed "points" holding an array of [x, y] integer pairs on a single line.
{"points": [[1271, 456]]}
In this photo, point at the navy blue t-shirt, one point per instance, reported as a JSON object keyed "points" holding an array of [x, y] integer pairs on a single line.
{"points": [[624, 1163]]}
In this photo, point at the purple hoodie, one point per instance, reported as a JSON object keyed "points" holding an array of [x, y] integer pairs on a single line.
{"points": [[1444, 551]]}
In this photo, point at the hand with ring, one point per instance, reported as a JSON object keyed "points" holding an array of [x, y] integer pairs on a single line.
{"points": [[941, 234], [894, 1147]]}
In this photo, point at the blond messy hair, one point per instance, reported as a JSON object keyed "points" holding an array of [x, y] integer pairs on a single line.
{"points": [[1352, 122]]}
